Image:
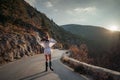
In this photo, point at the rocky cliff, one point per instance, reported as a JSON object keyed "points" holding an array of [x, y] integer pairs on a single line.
{"points": [[21, 26]]}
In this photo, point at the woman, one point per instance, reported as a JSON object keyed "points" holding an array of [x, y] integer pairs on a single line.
{"points": [[47, 43]]}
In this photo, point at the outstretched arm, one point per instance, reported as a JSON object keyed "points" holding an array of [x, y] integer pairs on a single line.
{"points": [[39, 41], [52, 40]]}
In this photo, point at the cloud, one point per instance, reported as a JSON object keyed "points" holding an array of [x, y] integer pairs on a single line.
{"points": [[83, 11], [48, 4], [55, 10], [31, 2], [87, 9], [82, 15]]}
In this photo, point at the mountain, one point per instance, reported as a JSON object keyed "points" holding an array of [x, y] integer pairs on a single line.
{"points": [[103, 45], [99, 35], [98, 39], [21, 26]]}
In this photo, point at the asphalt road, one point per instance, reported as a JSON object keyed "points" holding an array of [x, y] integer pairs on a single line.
{"points": [[32, 68]]}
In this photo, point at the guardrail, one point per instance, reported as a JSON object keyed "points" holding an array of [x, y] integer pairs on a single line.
{"points": [[98, 73]]}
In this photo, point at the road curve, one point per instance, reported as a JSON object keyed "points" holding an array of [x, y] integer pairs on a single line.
{"points": [[32, 68]]}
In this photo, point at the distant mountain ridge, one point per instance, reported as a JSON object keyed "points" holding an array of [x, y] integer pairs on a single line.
{"points": [[94, 33]]}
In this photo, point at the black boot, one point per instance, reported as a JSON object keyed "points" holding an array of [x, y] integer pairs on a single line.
{"points": [[46, 66], [50, 65]]}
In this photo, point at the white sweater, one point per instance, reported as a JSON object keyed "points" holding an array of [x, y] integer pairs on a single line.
{"points": [[48, 44]]}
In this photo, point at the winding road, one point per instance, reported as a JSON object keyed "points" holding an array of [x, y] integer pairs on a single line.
{"points": [[32, 68]]}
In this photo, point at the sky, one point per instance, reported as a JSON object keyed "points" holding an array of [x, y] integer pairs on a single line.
{"points": [[103, 13]]}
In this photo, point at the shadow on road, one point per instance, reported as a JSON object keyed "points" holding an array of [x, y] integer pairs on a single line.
{"points": [[35, 76], [61, 72]]}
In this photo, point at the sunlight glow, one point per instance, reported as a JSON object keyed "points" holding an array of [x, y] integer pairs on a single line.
{"points": [[113, 28]]}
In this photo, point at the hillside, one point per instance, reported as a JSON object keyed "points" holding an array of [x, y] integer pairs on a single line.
{"points": [[21, 26], [103, 45], [99, 35], [98, 39]]}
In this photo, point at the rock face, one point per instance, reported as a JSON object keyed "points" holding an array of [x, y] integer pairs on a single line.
{"points": [[21, 26]]}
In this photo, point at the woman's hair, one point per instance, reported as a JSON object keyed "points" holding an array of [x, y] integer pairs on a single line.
{"points": [[45, 38]]}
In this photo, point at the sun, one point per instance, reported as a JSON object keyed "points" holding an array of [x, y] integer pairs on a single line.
{"points": [[113, 28]]}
